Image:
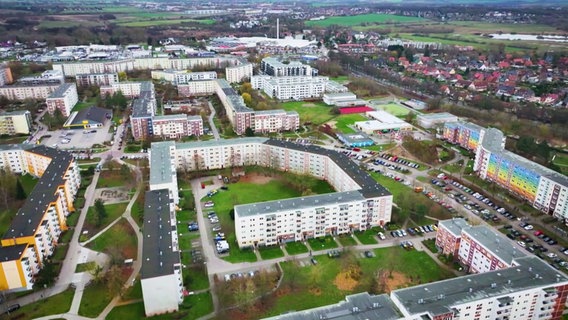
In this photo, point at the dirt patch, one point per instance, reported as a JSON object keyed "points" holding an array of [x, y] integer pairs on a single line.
{"points": [[315, 291], [309, 104], [401, 152], [343, 281], [332, 124], [395, 281], [255, 178]]}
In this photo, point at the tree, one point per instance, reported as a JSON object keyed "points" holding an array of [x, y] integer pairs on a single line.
{"points": [[122, 76], [113, 280], [100, 212], [434, 103], [249, 132], [20, 192], [247, 98]]}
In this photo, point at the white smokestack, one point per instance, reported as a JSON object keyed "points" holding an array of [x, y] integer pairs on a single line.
{"points": [[277, 28]]}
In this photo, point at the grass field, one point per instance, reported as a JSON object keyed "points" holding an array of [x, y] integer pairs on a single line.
{"points": [[394, 109], [342, 122], [246, 192], [323, 243], [314, 112], [95, 299], [192, 307], [346, 240], [364, 18], [561, 160], [59, 303], [273, 252], [294, 248], [152, 23], [113, 212], [28, 182], [109, 179], [120, 236], [368, 236], [318, 283]]}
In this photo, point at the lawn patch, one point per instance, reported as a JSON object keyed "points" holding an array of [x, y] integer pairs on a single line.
{"points": [[196, 277], [347, 240], [237, 255], [113, 212], [343, 122], [294, 248], [59, 303], [394, 109], [273, 252], [322, 243], [95, 298], [364, 19], [85, 267], [152, 23], [311, 112], [121, 237], [368, 236]]}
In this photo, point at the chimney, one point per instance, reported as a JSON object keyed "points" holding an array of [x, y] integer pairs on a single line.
{"points": [[277, 28]]}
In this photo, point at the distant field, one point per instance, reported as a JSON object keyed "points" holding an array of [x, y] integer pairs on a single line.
{"points": [[364, 18], [315, 112], [151, 23], [343, 122], [394, 109], [68, 24]]}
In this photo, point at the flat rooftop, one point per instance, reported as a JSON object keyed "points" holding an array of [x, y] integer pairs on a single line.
{"points": [[499, 245], [440, 297], [436, 116], [60, 91], [160, 163], [11, 253], [455, 226], [245, 210], [158, 257], [359, 306]]}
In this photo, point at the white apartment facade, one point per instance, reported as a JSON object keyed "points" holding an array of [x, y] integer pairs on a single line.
{"points": [[177, 77], [177, 126], [63, 98], [15, 122], [197, 88], [358, 204], [291, 88], [17, 92], [96, 79], [239, 72]]}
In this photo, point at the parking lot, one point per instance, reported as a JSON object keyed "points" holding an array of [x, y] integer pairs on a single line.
{"points": [[77, 138]]}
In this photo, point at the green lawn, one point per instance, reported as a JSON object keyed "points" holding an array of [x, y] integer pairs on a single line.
{"points": [[113, 212], [345, 120], [340, 79], [85, 267], [347, 240], [273, 252], [151, 23], [368, 236], [315, 285], [59, 303], [28, 182], [121, 237], [243, 193], [196, 278], [314, 112], [129, 311], [323, 243], [95, 299], [561, 160], [364, 18], [452, 168], [394, 109], [133, 292], [294, 248], [6, 217], [396, 188]]}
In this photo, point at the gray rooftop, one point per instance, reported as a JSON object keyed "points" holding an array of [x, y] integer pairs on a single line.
{"points": [[358, 306], [158, 257], [455, 226], [59, 92], [14, 113], [218, 143], [354, 137], [495, 242], [11, 253], [300, 203], [92, 114], [440, 297], [234, 99], [434, 116], [31, 214], [493, 141], [160, 163], [369, 187]]}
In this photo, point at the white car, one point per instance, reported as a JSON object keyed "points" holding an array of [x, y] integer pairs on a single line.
{"points": [[381, 236], [552, 255], [521, 243], [529, 227], [209, 204]]}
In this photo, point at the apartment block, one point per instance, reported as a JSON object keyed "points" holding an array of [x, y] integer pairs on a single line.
{"points": [[197, 88], [64, 98], [34, 232], [177, 126], [72, 69], [161, 273], [239, 73], [274, 67], [5, 75], [96, 79], [358, 204], [47, 77], [530, 290], [20, 92], [178, 77], [15, 122], [128, 88], [545, 189], [267, 121], [448, 236]]}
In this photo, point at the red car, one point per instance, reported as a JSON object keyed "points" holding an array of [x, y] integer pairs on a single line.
{"points": [[537, 233]]}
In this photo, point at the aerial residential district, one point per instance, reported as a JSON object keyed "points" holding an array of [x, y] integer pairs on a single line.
{"points": [[283, 161]]}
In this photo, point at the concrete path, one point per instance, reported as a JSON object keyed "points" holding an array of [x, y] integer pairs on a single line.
{"points": [[211, 123]]}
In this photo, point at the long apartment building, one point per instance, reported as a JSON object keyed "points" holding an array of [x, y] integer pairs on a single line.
{"points": [[21, 92], [63, 98], [239, 72], [34, 232], [145, 124], [46, 77], [526, 288], [178, 77], [96, 79], [71, 69], [161, 273], [5, 75], [359, 203], [274, 67], [545, 189], [15, 122]]}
